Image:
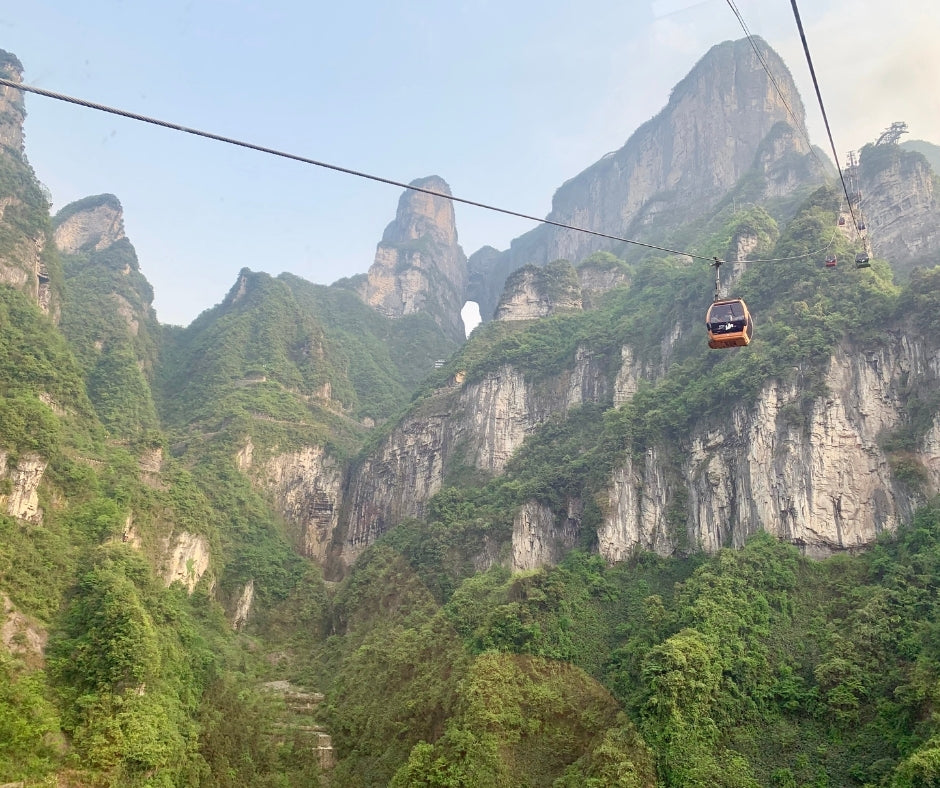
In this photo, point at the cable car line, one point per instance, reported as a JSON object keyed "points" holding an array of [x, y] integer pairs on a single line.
{"points": [[822, 109], [856, 221], [348, 171], [750, 38], [337, 168]]}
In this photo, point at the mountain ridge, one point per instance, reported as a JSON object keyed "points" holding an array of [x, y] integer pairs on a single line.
{"points": [[573, 549]]}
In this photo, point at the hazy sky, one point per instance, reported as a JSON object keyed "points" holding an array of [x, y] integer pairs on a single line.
{"points": [[504, 100]]}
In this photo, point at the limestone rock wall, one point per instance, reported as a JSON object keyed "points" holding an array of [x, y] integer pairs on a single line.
{"points": [[538, 539], [22, 500], [93, 228], [307, 486], [811, 472], [21, 265], [419, 266], [480, 423], [533, 292], [187, 559], [597, 279], [12, 107], [901, 206], [820, 480]]}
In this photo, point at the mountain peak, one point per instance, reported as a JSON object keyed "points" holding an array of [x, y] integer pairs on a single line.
{"points": [[421, 214], [89, 224], [727, 122], [419, 266]]}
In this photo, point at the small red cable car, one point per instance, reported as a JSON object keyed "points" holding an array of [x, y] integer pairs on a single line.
{"points": [[729, 324], [831, 261]]}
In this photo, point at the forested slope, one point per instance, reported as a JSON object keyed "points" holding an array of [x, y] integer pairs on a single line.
{"points": [[755, 667], [165, 617]]}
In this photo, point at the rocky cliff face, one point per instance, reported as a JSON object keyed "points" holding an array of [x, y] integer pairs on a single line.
{"points": [[725, 120], [22, 499], [92, 224], [307, 490], [419, 266], [539, 539], [822, 482], [901, 205], [817, 478], [186, 560], [23, 207], [598, 276], [533, 292], [12, 108], [480, 424], [23, 266]]}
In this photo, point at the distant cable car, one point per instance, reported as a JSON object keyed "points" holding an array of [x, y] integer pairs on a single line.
{"points": [[861, 226], [841, 221], [729, 324], [862, 260], [831, 261]]}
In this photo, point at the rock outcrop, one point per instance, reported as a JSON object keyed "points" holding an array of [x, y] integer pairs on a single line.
{"points": [[533, 292], [108, 318], [187, 559], [22, 500], [12, 107], [419, 266], [88, 225], [901, 205], [725, 120], [20, 635], [243, 606]]}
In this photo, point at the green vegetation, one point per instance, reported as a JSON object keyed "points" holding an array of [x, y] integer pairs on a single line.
{"points": [[439, 666], [282, 346], [749, 668], [26, 218], [557, 281]]}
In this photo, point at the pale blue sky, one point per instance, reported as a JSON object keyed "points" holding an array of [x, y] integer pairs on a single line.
{"points": [[504, 100]]}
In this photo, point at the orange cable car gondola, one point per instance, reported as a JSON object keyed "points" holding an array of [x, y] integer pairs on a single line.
{"points": [[729, 324], [728, 321]]}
